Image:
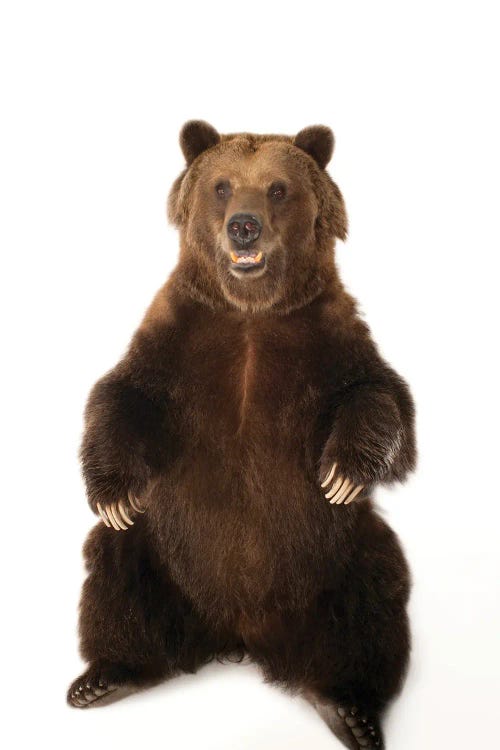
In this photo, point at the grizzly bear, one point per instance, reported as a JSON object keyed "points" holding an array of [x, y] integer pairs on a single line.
{"points": [[232, 454]]}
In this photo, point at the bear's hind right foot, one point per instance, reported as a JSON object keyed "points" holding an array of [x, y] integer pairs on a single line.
{"points": [[99, 682], [104, 683], [88, 688]]}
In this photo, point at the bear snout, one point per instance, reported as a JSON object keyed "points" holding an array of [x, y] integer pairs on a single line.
{"points": [[243, 230]]}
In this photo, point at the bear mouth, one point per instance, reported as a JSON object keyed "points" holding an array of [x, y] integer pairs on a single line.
{"points": [[248, 261]]}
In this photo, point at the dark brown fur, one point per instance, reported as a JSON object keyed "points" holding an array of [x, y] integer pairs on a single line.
{"points": [[230, 406]]}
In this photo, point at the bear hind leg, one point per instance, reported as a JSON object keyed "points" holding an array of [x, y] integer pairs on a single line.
{"points": [[136, 628], [363, 641]]}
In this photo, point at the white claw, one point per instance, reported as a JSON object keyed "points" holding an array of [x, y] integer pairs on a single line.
{"points": [[335, 495], [354, 495], [135, 503], [124, 513], [112, 520], [330, 476], [335, 487], [103, 515], [343, 495], [118, 518]]}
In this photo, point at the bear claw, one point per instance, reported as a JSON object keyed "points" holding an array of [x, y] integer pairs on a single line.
{"points": [[117, 515], [342, 490]]}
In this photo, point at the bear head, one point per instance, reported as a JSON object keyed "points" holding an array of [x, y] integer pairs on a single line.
{"points": [[258, 214]]}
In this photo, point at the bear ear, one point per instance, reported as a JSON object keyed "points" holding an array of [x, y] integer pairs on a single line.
{"points": [[318, 142], [195, 137]]}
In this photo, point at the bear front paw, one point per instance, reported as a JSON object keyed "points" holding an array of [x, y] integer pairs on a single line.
{"points": [[119, 515], [342, 490]]}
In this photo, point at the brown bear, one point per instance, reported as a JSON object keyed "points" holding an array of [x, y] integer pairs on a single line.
{"points": [[233, 452]]}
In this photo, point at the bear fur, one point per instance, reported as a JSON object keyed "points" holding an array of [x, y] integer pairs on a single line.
{"points": [[238, 392]]}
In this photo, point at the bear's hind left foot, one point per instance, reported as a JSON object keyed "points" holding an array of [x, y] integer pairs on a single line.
{"points": [[356, 729], [365, 730]]}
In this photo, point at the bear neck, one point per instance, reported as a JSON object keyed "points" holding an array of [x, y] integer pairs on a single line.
{"points": [[192, 279]]}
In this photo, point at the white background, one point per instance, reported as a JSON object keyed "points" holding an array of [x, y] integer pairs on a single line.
{"points": [[93, 95]]}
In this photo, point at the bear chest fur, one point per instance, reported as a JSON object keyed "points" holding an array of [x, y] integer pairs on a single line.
{"points": [[242, 507], [240, 381]]}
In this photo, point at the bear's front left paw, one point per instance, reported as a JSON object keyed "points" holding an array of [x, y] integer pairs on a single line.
{"points": [[118, 515], [342, 490]]}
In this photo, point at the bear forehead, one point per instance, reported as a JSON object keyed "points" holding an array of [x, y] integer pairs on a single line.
{"points": [[254, 159]]}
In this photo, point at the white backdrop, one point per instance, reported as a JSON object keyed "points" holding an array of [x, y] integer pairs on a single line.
{"points": [[93, 95]]}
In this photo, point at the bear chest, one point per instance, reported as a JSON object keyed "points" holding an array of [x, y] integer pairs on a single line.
{"points": [[245, 384], [246, 405]]}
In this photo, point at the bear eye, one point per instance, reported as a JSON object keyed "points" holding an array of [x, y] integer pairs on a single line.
{"points": [[223, 189], [277, 191]]}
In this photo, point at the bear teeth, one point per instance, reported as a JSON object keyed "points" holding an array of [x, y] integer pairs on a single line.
{"points": [[246, 258]]}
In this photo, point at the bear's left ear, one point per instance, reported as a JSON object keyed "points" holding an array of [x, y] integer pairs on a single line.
{"points": [[195, 137], [318, 142]]}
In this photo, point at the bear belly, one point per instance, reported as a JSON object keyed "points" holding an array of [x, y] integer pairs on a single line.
{"points": [[244, 538], [242, 522]]}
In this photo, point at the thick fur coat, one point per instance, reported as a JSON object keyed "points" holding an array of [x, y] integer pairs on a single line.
{"points": [[206, 447]]}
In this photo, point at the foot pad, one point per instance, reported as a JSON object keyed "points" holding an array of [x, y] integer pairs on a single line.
{"points": [[364, 730], [87, 689]]}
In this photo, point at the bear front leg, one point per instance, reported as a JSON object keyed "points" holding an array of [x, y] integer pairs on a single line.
{"points": [[121, 448], [371, 440]]}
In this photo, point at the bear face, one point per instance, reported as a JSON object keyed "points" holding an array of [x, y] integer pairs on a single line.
{"points": [[259, 214]]}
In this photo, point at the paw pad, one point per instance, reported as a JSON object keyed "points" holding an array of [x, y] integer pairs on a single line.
{"points": [[364, 730], [85, 690]]}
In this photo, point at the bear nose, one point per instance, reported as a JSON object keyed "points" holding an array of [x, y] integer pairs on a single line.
{"points": [[243, 229]]}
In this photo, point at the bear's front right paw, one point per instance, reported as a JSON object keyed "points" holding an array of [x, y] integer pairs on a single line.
{"points": [[119, 515]]}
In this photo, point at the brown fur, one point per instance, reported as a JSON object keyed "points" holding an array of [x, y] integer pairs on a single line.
{"points": [[234, 399]]}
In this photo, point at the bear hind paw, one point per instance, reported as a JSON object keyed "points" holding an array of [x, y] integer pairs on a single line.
{"points": [[87, 689], [365, 730]]}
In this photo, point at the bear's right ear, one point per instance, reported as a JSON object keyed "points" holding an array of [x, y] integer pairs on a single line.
{"points": [[195, 137]]}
